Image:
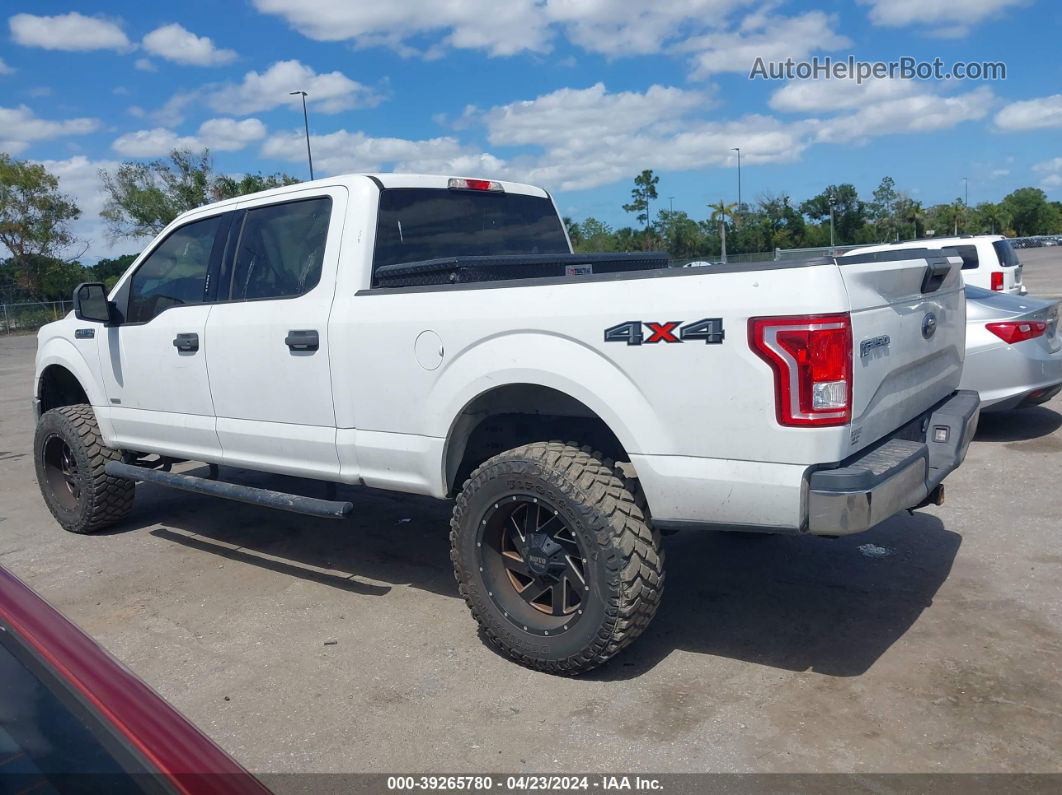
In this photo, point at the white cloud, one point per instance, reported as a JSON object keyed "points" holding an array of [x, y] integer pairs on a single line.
{"points": [[950, 19], [229, 135], [999, 172], [71, 31], [328, 93], [226, 135], [1031, 114], [500, 28], [343, 151], [79, 177], [633, 27], [591, 114], [152, 143], [924, 112], [145, 65], [20, 127], [1051, 171], [761, 35], [812, 96], [5, 69], [178, 44]]}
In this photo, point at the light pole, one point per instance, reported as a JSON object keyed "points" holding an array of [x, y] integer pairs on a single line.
{"points": [[966, 191], [738, 150], [832, 250], [306, 121], [671, 204]]}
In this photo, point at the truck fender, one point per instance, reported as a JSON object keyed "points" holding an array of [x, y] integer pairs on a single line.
{"points": [[559, 362], [62, 352]]}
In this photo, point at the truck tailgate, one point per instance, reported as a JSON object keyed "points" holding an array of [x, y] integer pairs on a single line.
{"points": [[908, 336]]}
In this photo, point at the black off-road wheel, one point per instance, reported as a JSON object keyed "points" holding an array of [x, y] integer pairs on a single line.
{"points": [[555, 557], [70, 458]]}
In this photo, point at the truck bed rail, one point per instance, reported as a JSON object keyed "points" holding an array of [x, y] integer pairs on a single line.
{"points": [[465, 270]]}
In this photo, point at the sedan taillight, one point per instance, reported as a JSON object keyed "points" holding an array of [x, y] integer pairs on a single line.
{"points": [[1018, 330], [811, 356]]}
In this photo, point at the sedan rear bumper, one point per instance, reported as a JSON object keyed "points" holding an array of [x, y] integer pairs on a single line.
{"points": [[896, 474]]}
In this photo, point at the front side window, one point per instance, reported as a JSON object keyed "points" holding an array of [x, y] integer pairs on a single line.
{"points": [[281, 249], [175, 273]]}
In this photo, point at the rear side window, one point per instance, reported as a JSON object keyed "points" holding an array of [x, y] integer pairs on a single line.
{"points": [[1005, 252], [969, 256], [281, 249], [175, 273], [427, 223]]}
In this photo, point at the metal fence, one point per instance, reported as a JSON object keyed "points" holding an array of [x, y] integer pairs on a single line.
{"points": [[31, 315]]}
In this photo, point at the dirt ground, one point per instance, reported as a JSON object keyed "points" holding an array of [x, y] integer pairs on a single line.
{"points": [[303, 645]]}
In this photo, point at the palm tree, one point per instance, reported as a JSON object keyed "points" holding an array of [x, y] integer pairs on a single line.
{"points": [[720, 211]]}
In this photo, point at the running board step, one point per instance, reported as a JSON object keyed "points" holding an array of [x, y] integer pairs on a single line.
{"points": [[325, 509]]}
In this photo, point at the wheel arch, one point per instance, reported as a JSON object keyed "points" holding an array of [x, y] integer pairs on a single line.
{"points": [[64, 377], [509, 415]]}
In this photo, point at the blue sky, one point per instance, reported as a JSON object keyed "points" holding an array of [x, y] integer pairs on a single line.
{"points": [[575, 95]]}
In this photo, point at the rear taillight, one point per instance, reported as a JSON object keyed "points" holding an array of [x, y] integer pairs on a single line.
{"points": [[1018, 330], [997, 280], [811, 356]]}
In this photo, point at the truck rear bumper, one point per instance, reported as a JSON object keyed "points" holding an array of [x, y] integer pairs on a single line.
{"points": [[899, 473]]}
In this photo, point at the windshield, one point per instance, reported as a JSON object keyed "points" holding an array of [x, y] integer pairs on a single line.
{"points": [[1005, 252], [427, 223]]}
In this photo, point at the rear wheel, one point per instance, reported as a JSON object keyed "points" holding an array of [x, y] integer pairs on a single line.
{"points": [[70, 457], [554, 557]]}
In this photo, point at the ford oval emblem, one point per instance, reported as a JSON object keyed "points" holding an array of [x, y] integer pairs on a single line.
{"points": [[929, 325]]}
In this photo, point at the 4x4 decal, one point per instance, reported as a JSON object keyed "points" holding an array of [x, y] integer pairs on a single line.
{"points": [[710, 330]]}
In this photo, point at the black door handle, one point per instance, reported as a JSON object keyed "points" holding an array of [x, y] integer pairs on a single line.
{"points": [[303, 340], [186, 342]]}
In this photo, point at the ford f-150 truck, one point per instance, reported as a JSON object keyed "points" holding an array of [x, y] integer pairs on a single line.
{"points": [[436, 335]]}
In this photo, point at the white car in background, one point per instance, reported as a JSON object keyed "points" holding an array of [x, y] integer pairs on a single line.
{"points": [[1013, 351], [988, 261]]}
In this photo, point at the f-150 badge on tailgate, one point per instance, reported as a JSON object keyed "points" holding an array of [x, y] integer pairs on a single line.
{"points": [[710, 330]]}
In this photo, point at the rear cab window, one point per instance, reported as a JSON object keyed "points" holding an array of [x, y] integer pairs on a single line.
{"points": [[417, 224]]}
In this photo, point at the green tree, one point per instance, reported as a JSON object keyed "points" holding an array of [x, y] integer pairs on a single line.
{"points": [[142, 198], [642, 194], [720, 211], [681, 235], [109, 270], [1031, 213], [35, 219], [849, 211], [227, 187], [575, 234], [882, 210], [595, 235], [989, 218]]}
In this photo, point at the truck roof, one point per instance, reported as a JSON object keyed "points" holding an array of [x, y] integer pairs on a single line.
{"points": [[927, 242], [385, 180]]}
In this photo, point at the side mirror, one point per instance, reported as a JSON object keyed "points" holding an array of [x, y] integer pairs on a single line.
{"points": [[90, 302]]}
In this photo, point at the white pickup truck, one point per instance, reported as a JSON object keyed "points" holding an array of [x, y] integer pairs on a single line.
{"points": [[436, 336]]}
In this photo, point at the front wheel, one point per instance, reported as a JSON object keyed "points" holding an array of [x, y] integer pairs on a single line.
{"points": [[554, 557], [70, 458]]}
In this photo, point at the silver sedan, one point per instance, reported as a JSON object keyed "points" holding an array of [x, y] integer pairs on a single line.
{"points": [[1013, 351]]}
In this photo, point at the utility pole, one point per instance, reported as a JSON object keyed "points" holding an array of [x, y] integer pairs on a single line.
{"points": [[671, 203], [738, 150], [966, 191], [306, 122]]}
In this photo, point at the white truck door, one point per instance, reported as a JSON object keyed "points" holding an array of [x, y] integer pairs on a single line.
{"points": [[268, 363], [154, 363]]}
